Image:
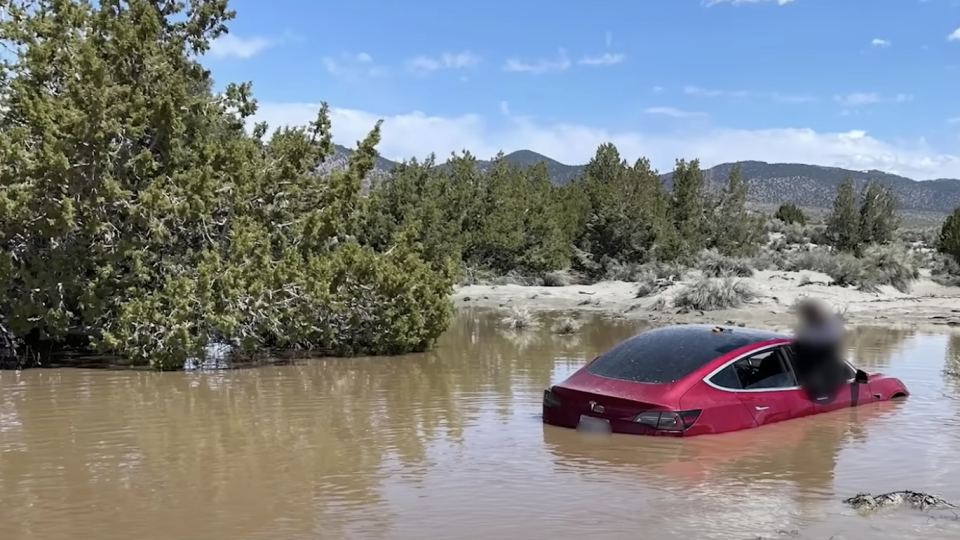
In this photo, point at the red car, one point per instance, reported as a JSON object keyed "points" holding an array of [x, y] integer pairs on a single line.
{"points": [[689, 380]]}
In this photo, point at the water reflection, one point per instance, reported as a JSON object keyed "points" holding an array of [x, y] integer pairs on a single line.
{"points": [[447, 444], [792, 462], [871, 347], [951, 364]]}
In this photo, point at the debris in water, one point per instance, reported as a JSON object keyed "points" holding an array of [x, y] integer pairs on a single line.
{"points": [[864, 502]]}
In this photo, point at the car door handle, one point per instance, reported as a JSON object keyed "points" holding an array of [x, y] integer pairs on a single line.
{"points": [[759, 408], [822, 398]]}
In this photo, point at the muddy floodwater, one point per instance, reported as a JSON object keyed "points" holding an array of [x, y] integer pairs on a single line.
{"points": [[449, 445]]}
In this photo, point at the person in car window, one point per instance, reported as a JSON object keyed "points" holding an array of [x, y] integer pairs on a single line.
{"points": [[818, 354]]}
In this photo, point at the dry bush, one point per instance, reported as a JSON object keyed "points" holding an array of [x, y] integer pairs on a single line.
{"points": [[773, 225], [520, 318], [558, 279], [945, 270], [617, 271], [843, 268], [927, 237], [889, 265], [822, 260], [705, 293], [796, 234], [768, 260], [880, 265], [470, 275], [566, 326], [649, 284], [670, 271], [713, 264]]}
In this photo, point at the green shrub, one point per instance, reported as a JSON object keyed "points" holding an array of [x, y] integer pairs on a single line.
{"points": [[948, 242], [790, 213]]}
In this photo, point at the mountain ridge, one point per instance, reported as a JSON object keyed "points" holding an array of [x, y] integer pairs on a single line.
{"points": [[767, 183]]}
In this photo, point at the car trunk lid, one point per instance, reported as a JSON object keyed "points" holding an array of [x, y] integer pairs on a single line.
{"points": [[612, 401]]}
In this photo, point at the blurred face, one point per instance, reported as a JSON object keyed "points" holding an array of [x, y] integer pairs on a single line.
{"points": [[809, 313]]}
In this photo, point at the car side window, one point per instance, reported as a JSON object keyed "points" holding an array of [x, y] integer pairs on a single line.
{"points": [[727, 378], [765, 370]]}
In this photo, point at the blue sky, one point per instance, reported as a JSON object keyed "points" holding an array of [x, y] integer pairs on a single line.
{"points": [[854, 83]]}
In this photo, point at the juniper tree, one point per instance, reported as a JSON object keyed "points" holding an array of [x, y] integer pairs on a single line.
{"points": [[948, 241], [136, 208], [879, 219], [626, 207], [688, 205], [735, 231], [843, 223], [790, 213], [519, 229]]}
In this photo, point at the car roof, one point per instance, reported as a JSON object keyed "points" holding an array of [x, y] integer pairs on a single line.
{"points": [[725, 334], [670, 353]]}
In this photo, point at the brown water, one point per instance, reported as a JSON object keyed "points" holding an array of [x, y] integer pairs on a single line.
{"points": [[449, 445]]}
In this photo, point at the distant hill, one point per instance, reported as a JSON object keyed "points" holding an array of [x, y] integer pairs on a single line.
{"points": [[768, 183], [559, 172], [816, 186]]}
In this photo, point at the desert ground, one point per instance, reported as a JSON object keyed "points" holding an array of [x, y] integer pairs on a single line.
{"points": [[928, 304]]}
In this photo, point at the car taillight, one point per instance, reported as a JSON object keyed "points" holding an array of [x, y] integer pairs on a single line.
{"points": [[668, 420], [550, 399]]}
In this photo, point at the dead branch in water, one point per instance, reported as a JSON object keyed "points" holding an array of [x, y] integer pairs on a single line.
{"points": [[865, 503]]}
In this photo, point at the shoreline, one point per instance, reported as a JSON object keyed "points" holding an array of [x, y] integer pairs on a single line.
{"points": [[928, 304]]}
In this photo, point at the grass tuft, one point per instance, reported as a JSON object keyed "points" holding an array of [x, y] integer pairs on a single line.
{"points": [[711, 294]]}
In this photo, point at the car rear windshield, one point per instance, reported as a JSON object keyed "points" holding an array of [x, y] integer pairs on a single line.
{"points": [[668, 354]]}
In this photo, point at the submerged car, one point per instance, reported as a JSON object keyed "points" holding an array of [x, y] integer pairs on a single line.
{"points": [[689, 380], [804, 453]]}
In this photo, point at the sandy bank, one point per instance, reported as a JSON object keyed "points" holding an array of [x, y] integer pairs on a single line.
{"points": [[927, 304]]}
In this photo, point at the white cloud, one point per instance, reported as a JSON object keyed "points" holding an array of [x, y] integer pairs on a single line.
{"points": [[955, 35], [793, 98], [428, 64], [543, 65], [231, 45], [741, 94], [352, 66], [709, 3], [877, 42], [870, 98], [605, 59], [954, 120], [676, 113], [417, 134], [706, 92]]}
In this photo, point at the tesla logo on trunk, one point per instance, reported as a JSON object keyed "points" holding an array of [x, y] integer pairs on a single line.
{"points": [[594, 407]]}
